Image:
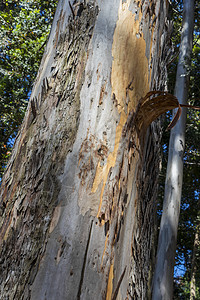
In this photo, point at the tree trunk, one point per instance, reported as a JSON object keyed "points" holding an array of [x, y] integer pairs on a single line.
{"points": [[195, 256], [194, 265], [163, 277], [78, 195]]}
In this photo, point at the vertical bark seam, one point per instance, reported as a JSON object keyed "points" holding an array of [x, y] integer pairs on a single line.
{"points": [[84, 263], [118, 285]]}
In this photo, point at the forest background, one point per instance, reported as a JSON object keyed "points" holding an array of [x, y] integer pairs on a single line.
{"points": [[24, 30]]}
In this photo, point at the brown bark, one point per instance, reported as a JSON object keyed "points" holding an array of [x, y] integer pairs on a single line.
{"points": [[79, 194]]}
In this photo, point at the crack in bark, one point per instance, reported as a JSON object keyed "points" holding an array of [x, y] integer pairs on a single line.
{"points": [[84, 263], [118, 285]]}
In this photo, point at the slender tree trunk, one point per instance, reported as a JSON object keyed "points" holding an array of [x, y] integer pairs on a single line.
{"points": [[196, 249], [163, 277], [78, 196], [194, 266]]}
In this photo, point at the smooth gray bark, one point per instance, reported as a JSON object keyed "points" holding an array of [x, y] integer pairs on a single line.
{"points": [[163, 276]]}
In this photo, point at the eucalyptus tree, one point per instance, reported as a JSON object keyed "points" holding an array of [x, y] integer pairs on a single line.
{"points": [[163, 276], [78, 197]]}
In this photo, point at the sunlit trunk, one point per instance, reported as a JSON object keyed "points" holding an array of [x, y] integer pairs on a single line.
{"points": [[78, 197]]}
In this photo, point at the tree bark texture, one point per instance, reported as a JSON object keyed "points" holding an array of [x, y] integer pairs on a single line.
{"points": [[164, 271], [79, 193]]}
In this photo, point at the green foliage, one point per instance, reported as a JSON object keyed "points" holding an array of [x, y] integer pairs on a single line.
{"points": [[24, 29], [182, 289]]}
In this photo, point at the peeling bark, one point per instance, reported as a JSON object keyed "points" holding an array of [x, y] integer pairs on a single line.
{"points": [[79, 193]]}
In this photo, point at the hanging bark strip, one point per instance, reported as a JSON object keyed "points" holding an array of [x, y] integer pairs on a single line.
{"points": [[151, 107]]}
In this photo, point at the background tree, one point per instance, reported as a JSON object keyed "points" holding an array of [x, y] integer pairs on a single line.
{"points": [[163, 276], [190, 190]]}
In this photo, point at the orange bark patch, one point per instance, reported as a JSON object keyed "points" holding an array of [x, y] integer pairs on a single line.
{"points": [[110, 283], [130, 65], [102, 172], [104, 251], [129, 81], [55, 218], [5, 228], [98, 71], [102, 92]]}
